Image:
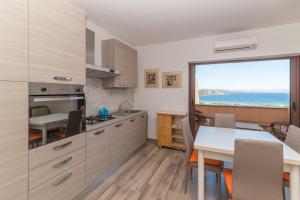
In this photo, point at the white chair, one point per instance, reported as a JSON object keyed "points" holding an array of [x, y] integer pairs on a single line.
{"points": [[257, 171], [191, 156], [224, 120], [292, 140]]}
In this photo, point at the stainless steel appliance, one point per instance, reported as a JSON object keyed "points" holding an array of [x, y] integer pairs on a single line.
{"points": [[98, 119], [56, 111], [92, 70]]}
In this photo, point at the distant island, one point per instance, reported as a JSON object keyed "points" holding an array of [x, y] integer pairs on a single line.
{"points": [[213, 92]]}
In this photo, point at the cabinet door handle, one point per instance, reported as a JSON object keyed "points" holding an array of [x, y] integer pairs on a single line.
{"points": [[62, 180], [62, 78], [62, 163], [294, 107], [118, 125], [62, 146], [99, 132], [142, 117], [132, 120]]}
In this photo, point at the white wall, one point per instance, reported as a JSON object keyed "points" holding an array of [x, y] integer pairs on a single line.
{"points": [[96, 96], [174, 56], [100, 34]]}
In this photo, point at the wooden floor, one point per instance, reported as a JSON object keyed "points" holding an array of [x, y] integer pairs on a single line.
{"points": [[152, 174]]}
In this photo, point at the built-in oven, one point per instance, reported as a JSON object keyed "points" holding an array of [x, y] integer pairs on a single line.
{"points": [[56, 111]]}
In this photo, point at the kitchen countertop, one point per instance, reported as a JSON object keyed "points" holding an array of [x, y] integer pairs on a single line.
{"points": [[117, 118]]}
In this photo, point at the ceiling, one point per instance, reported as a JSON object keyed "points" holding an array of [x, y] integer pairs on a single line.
{"points": [[143, 22]]}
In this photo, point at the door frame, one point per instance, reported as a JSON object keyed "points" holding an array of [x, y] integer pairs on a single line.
{"points": [[294, 117]]}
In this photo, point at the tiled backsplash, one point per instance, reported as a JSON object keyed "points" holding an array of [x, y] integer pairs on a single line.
{"points": [[97, 96]]}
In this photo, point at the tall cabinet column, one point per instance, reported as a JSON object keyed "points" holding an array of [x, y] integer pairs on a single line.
{"points": [[14, 99]]}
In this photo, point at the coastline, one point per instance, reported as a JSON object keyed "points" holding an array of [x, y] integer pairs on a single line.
{"points": [[244, 104], [248, 99]]}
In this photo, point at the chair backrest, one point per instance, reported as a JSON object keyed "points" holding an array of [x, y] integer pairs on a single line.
{"points": [[293, 138], [257, 170], [188, 137], [37, 111], [224, 120], [74, 123]]}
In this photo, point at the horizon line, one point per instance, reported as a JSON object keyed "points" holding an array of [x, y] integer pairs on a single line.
{"points": [[248, 90]]}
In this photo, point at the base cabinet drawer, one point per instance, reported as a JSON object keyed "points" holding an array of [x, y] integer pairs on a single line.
{"points": [[65, 186], [97, 152], [46, 153], [43, 173]]}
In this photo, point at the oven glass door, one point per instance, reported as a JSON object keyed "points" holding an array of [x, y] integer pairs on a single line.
{"points": [[55, 117]]}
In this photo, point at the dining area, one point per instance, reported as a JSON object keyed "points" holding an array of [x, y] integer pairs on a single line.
{"points": [[249, 162]]}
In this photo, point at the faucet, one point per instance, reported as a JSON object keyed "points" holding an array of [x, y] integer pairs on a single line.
{"points": [[124, 107]]}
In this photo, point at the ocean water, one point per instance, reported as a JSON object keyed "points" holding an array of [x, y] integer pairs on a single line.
{"points": [[249, 98]]}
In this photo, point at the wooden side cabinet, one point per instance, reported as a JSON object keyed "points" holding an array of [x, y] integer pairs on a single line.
{"points": [[120, 56], [169, 130]]}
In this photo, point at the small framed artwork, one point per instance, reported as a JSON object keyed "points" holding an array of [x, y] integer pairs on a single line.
{"points": [[171, 79], [151, 79]]}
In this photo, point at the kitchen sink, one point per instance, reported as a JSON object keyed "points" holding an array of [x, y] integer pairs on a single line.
{"points": [[134, 111], [125, 113]]}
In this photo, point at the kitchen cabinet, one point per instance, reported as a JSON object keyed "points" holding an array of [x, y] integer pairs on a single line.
{"points": [[14, 40], [46, 153], [119, 142], [112, 144], [14, 140], [63, 186], [142, 129], [126, 137], [45, 172], [118, 55], [137, 132], [56, 42], [57, 170], [97, 154]]}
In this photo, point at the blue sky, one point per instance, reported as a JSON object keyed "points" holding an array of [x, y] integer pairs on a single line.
{"points": [[271, 75]]}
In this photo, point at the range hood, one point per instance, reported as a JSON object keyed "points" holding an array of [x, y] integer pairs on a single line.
{"points": [[92, 70]]}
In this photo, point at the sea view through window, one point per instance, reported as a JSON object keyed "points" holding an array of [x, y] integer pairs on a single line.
{"points": [[254, 83]]}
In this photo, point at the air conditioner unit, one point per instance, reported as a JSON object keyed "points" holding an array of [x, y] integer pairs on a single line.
{"points": [[245, 43]]}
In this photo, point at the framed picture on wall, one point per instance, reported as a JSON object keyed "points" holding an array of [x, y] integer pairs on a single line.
{"points": [[151, 78], [171, 79]]}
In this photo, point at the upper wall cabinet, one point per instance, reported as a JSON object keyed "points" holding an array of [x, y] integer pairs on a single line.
{"points": [[56, 42], [14, 40], [118, 55]]}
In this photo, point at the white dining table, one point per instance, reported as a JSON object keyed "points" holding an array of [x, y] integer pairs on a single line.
{"points": [[46, 122], [218, 143], [248, 126]]}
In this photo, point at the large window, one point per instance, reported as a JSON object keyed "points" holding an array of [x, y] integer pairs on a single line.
{"points": [[254, 83]]}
